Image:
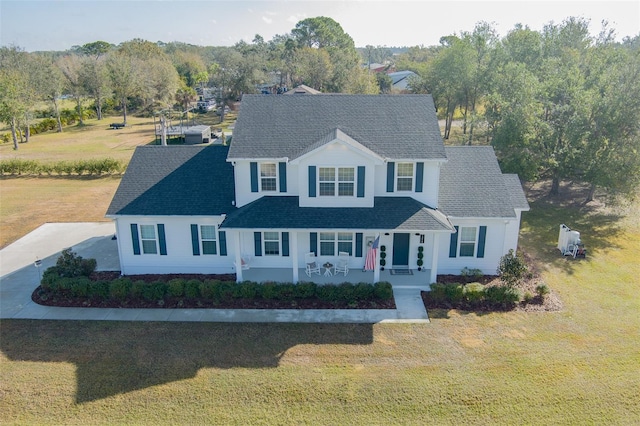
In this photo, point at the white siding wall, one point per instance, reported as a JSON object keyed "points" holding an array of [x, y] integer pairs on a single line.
{"points": [[502, 234], [179, 258], [430, 184]]}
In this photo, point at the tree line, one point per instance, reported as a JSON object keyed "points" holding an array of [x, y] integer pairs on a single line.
{"points": [[149, 76], [556, 103]]}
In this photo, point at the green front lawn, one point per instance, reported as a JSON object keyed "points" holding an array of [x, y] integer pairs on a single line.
{"points": [[576, 366]]}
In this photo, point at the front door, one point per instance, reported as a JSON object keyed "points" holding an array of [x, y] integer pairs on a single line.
{"points": [[400, 250]]}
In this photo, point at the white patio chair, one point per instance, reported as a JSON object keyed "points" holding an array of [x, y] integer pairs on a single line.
{"points": [[311, 262], [342, 265]]}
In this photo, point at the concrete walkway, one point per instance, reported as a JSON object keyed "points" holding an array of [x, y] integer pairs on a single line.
{"points": [[19, 277]]}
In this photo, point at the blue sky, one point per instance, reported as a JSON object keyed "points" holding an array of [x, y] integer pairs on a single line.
{"points": [[58, 25]]}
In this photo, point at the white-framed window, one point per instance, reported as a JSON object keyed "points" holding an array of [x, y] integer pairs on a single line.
{"points": [[271, 243], [468, 236], [268, 177], [149, 239], [208, 239], [336, 181], [345, 242], [404, 177], [331, 243]]}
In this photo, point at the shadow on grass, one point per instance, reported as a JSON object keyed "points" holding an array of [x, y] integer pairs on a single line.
{"points": [[540, 229], [117, 357]]}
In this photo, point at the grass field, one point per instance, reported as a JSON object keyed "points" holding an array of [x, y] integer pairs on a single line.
{"points": [[577, 366]]}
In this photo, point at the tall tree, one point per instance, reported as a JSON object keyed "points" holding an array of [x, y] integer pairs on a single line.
{"points": [[125, 73], [71, 68]]}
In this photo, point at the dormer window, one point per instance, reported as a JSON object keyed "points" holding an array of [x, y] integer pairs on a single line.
{"points": [[268, 177], [404, 177], [332, 179]]}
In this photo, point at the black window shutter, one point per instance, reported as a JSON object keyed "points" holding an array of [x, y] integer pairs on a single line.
{"points": [[361, 171], [313, 242], [283, 176], [419, 176], [391, 171], [481, 240], [312, 181], [358, 244], [222, 236], [254, 176], [135, 239], [257, 243], [195, 240], [285, 244], [453, 245], [161, 240]]}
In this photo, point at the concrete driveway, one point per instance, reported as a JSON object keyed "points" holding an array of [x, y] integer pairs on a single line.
{"points": [[19, 277]]}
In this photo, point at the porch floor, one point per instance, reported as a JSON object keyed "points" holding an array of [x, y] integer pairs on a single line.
{"points": [[418, 279]]}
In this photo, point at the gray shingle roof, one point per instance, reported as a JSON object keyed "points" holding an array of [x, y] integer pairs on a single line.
{"points": [[403, 213], [175, 180], [472, 185], [514, 188], [393, 126]]}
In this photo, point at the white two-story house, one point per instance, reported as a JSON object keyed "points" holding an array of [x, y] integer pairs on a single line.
{"points": [[322, 174]]}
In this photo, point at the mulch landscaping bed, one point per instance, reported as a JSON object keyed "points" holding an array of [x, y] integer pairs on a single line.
{"points": [[44, 297]]}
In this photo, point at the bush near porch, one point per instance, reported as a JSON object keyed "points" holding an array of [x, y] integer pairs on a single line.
{"points": [[89, 289]]}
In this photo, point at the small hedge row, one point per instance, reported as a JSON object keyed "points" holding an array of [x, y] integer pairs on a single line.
{"points": [[124, 288], [91, 167], [473, 296]]}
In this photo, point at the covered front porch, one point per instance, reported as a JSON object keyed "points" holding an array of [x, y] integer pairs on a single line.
{"points": [[417, 279]]}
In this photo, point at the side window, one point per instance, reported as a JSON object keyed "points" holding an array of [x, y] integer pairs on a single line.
{"points": [[208, 239], [268, 177], [148, 238], [404, 180], [271, 243], [467, 241]]}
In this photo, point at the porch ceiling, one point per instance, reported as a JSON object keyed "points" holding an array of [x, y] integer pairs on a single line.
{"points": [[393, 213]]}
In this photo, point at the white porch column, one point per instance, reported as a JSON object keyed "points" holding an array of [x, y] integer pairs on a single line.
{"points": [[238, 253], [294, 255], [434, 259]]}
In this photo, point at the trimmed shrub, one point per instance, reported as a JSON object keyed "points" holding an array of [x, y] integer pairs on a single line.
{"points": [[346, 292], [328, 293], [306, 290], [99, 289], [437, 294], [137, 287], [454, 294], [154, 291], [70, 264], [383, 290], [207, 289], [527, 298], [192, 289], [511, 269], [474, 294], [175, 287], [363, 291], [542, 290], [501, 297], [269, 290], [247, 290], [79, 286], [120, 288], [473, 273], [285, 291]]}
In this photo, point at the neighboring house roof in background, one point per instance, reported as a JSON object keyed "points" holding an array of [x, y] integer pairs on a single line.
{"points": [[284, 212], [303, 90], [175, 180], [472, 185], [394, 127], [400, 79]]}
